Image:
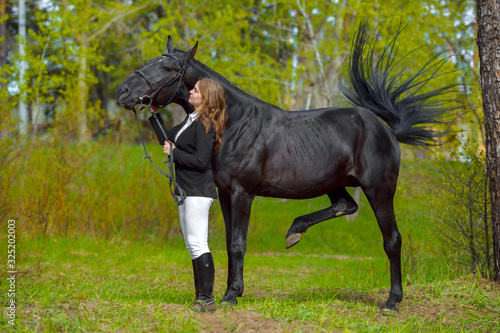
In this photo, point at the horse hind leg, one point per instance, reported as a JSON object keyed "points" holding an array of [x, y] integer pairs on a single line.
{"points": [[383, 208], [342, 204]]}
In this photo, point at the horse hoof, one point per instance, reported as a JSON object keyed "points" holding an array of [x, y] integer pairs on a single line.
{"points": [[292, 240], [390, 308], [228, 304]]}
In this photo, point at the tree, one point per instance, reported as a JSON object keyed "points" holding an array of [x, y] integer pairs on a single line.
{"points": [[488, 42], [65, 53], [3, 32]]}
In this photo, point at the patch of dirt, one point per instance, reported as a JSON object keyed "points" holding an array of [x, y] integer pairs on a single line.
{"points": [[232, 319], [248, 321]]}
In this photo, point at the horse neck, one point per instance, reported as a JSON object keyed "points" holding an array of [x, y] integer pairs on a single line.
{"points": [[183, 100], [241, 105]]}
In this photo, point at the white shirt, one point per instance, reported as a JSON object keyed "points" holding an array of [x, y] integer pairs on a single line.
{"points": [[192, 117]]}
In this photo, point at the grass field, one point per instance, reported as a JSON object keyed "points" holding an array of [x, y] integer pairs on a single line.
{"points": [[108, 256], [70, 285]]}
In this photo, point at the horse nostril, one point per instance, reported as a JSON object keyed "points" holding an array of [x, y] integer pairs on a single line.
{"points": [[125, 92], [121, 94]]}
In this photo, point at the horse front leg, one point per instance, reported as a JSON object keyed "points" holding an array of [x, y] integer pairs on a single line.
{"points": [[236, 219]]}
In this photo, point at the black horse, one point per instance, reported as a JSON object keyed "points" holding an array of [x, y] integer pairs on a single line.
{"points": [[270, 152]]}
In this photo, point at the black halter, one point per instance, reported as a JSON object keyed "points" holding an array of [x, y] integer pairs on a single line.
{"points": [[147, 100]]}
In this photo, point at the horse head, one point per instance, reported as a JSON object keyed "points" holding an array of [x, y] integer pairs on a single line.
{"points": [[160, 81]]}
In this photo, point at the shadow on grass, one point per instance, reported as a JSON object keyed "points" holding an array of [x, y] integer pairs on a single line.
{"points": [[321, 295]]}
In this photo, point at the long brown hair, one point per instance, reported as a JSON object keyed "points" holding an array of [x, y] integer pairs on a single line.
{"points": [[213, 111]]}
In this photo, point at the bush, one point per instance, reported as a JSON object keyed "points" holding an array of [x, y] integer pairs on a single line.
{"points": [[98, 188], [459, 201]]}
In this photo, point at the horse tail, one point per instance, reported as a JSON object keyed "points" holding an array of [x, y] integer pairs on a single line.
{"points": [[396, 100]]}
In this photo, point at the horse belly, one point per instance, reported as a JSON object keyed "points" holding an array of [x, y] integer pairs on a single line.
{"points": [[303, 164], [304, 178]]}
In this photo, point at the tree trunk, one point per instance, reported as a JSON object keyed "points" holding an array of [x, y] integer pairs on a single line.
{"points": [[488, 42], [3, 34], [83, 92]]}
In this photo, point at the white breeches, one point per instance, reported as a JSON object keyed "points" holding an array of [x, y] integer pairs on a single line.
{"points": [[193, 215]]}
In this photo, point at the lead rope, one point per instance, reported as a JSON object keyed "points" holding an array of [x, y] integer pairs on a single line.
{"points": [[178, 201]]}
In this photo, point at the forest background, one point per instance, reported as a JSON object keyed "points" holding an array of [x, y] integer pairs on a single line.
{"points": [[291, 54], [76, 169]]}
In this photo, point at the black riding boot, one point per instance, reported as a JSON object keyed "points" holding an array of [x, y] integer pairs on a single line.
{"points": [[195, 273], [204, 275]]}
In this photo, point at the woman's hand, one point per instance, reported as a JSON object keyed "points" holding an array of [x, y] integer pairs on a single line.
{"points": [[166, 147]]}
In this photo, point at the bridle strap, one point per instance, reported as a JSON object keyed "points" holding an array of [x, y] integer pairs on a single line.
{"points": [[145, 78], [179, 75], [178, 200]]}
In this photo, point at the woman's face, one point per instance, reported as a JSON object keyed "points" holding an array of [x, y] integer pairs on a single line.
{"points": [[195, 97]]}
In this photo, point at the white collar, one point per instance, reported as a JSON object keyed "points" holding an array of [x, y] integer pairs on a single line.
{"points": [[193, 116]]}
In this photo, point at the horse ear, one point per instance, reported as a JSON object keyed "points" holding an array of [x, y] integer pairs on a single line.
{"points": [[188, 55], [170, 46]]}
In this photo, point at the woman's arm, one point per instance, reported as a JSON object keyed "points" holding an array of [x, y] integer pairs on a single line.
{"points": [[160, 128]]}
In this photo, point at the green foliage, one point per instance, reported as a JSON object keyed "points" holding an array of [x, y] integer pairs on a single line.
{"points": [[459, 199], [65, 59], [98, 189], [57, 50], [8, 139]]}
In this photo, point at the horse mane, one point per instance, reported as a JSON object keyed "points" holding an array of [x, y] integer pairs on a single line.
{"points": [[228, 84]]}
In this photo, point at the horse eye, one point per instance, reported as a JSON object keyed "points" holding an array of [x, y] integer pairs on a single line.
{"points": [[166, 68]]}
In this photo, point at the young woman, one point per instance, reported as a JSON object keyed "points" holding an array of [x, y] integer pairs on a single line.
{"points": [[194, 141]]}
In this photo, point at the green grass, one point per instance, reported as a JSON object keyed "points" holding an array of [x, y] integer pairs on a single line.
{"points": [[71, 285]]}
